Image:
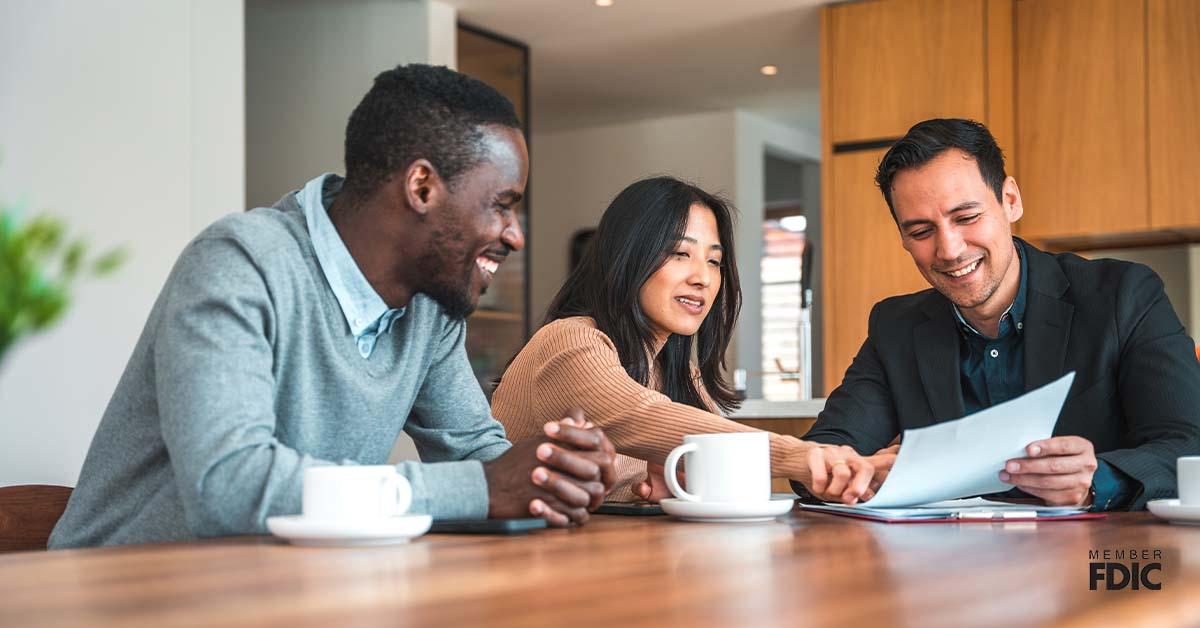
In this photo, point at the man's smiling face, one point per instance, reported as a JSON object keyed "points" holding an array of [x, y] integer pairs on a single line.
{"points": [[477, 226], [958, 233]]}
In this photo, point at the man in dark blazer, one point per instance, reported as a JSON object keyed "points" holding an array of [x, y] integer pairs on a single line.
{"points": [[1003, 318]]}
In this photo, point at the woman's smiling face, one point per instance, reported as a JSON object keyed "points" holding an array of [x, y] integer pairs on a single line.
{"points": [[679, 295]]}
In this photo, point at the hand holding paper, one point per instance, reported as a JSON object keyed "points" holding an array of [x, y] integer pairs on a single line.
{"points": [[965, 457]]}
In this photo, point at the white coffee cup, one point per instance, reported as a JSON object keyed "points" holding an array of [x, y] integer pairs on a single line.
{"points": [[734, 467], [1188, 474], [334, 493]]}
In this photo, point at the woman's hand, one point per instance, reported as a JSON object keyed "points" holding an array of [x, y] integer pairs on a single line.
{"points": [[654, 487], [839, 474]]}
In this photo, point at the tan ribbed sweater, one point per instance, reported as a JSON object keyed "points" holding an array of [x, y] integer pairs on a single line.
{"points": [[571, 364]]}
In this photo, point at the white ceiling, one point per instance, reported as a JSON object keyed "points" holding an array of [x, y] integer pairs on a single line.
{"points": [[648, 58]]}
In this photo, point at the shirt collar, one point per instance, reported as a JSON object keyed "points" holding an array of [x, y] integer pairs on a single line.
{"points": [[361, 305], [1013, 319]]}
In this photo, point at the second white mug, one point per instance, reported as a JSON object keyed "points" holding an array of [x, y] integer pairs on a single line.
{"points": [[1188, 475], [732, 467]]}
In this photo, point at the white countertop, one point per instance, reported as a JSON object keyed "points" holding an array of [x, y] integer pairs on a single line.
{"points": [[763, 409]]}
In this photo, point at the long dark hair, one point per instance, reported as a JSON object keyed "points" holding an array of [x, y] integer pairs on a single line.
{"points": [[637, 233]]}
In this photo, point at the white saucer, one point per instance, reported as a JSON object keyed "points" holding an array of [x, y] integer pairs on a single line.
{"points": [[1173, 511], [726, 512], [300, 531]]}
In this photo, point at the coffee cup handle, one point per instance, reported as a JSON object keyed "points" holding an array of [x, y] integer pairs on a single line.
{"points": [[395, 495], [672, 477]]}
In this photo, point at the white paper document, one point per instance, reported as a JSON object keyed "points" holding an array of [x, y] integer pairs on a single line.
{"points": [[964, 457]]}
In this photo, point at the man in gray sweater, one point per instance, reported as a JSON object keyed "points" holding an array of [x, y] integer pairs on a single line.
{"points": [[312, 332]]}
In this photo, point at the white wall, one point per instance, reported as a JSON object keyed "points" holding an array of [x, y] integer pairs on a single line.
{"points": [[125, 118], [576, 173], [309, 62], [1194, 290]]}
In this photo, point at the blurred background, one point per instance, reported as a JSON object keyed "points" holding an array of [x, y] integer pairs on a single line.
{"points": [[139, 122]]}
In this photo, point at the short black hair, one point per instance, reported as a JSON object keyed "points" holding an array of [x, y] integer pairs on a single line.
{"points": [[926, 140], [420, 111]]}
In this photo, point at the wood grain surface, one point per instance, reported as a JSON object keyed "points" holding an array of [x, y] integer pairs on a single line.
{"points": [[1173, 36], [804, 569], [1081, 117], [28, 513]]}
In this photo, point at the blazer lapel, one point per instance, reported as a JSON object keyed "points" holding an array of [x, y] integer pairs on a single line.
{"points": [[936, 343], [1047, 319]]}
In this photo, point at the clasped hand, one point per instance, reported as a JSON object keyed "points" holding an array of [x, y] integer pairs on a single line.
{"points": [[560, 477]]}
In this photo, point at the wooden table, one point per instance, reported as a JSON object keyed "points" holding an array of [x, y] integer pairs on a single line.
{"points": [[806, 569]]}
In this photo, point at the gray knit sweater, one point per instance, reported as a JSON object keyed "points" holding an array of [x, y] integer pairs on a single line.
{"points": [[247, 372]]}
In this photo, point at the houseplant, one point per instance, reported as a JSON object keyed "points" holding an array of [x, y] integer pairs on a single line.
{"points": [[38, 266]]}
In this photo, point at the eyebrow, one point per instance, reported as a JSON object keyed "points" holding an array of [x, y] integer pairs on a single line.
{"points": [[510, 196], [691, 240], [964, 206]]}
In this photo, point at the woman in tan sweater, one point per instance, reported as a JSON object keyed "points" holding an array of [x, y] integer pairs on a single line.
{"points": [[657, 287]]}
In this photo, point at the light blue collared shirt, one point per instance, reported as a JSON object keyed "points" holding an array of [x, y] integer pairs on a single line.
{"points": [[366, 313]]}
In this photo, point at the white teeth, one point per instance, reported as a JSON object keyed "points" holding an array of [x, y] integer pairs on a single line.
{"points": [[687, 301], [486, 265], [964, 271]]}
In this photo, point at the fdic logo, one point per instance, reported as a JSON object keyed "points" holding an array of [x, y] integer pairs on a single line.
{"points": [[1125, 568]]}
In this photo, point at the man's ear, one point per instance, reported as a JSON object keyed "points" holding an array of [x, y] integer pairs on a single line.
{"points": [[1010, 198], [424, 189]]}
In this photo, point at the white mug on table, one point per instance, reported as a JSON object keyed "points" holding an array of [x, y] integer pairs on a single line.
{"points": [[1188, 474], [355, 492], [731, 467]]}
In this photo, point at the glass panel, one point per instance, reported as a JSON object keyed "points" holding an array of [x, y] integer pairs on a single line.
{"points": [[782, 269]]}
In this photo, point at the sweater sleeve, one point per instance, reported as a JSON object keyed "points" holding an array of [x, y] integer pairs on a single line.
{"points": [[579, 367]]}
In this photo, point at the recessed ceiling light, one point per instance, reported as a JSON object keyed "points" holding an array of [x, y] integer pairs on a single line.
{"points": [[767, 70], [604, 3]]}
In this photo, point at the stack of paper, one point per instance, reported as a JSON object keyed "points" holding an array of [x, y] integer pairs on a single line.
{"points": [[976, 508]]}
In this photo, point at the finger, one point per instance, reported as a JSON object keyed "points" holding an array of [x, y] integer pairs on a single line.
{"points": [[881, 475], [643, 490], [839, 473], [555, 519], [573, 514], [816, 468], [567, 491], [596, 492], [608, 464], [1058, 446], [561, 431], [1048, 465], [569, 462], [863, 472], [1044, 481]]}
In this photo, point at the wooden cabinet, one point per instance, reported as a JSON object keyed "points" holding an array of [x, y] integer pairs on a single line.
{"points": [[892, 63], [1173, 43], [1081, 117], [864, 260]]}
